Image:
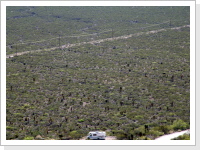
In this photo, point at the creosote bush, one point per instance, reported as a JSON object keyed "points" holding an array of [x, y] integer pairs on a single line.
{"points": [[182, 137], [179, 125], [28, 138]]}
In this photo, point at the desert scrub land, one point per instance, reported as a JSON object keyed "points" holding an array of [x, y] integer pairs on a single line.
{"points": [[136, 88], [32, 28]]}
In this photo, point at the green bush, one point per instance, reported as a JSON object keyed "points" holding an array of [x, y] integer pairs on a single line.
{"points": [[121, 136], [10, 128], [29, 138], [182, 137], [155, 133], [139, 117], [75, 135], [165, 129], [143, 138], [180, 125], [81, 120], [35, 132], [139, 131]]}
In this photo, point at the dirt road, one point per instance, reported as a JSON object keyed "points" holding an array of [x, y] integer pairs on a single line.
{"points": [[96, 41], [173, 135], [164, 137]]}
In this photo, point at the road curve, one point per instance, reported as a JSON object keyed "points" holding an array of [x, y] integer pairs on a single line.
{"points": [[173, 135], [164, 137]]}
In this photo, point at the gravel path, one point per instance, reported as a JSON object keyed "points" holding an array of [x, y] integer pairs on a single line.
{"points": [[173, 135]]}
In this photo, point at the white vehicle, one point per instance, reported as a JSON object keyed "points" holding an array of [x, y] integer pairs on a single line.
{"points": [[96, 135]]}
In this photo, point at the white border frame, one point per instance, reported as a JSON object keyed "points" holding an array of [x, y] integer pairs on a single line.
{"points": [[97, 3]]}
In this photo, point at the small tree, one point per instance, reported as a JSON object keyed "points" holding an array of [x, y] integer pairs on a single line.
{"points": [[75, 134]]}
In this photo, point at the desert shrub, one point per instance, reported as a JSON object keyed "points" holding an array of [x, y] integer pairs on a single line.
{"points": [[75, 135], [120, 136], [155, 133], [29, 138], [143, 138], [81, 120], [139, 117], [165, 129], [10, 135], [19, 114], [10, 128], [139, 131], [180, 125], [104, 129], [35, 133]]}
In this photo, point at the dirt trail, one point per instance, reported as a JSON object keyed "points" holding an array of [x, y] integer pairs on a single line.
{"points": [[111, 138], [164, 137], [173, 135], [95, 41]]}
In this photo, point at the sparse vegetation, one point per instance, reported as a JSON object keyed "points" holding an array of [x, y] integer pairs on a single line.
{"points": [[183, 137]]}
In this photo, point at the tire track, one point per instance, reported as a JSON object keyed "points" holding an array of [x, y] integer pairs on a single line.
{"points": [[96, 41], [89, 34]]}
